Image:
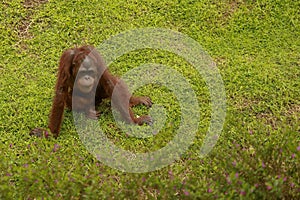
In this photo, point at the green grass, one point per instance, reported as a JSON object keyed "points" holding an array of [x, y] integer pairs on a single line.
{"points": [[255, 45]]}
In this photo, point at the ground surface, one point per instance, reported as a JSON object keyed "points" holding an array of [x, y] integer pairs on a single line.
{"points": [[255, 45]]}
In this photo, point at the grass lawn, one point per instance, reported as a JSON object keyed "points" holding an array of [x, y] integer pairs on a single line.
{"points": [[256, 47]]}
